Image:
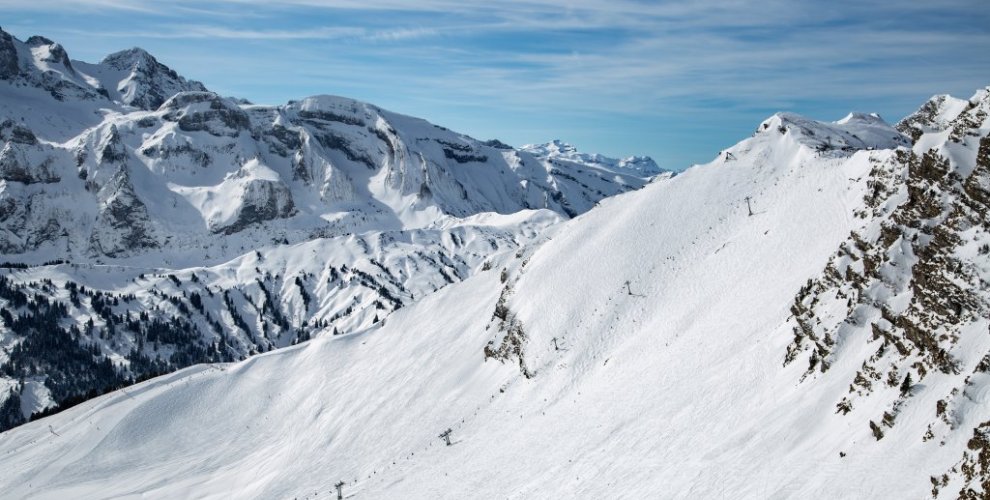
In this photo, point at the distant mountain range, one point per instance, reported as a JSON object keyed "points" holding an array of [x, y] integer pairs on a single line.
{"points": [[126, 158]]}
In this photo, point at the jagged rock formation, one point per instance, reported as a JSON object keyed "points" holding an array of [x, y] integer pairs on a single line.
{"points": [[913, 281]]}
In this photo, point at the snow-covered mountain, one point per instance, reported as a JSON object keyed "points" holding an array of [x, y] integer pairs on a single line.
{"points": [[148, 224], [804, 317], [127, 158], [131, 77]]}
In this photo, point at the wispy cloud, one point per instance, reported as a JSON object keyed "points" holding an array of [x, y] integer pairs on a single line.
{"points": [[201, 31], [546, 61], [82, 6]]}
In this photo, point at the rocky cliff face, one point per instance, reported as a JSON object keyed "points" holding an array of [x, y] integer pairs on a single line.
{"points": [[913, 284], [123, 225]]}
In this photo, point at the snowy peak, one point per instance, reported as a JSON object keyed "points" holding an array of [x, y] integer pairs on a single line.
{"points": [[975, 116], [642, 165], [981, 97], [129, 59], [861, 118], [329, 103], [857, 131], [42, 63], [47, 51], [141, 81], [933, 116], [944, 113], [555, 147], [131, 77], [38, 40]]}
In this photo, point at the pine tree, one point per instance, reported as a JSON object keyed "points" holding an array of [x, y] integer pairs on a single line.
{"points": [[906, 385], [10, 411]]}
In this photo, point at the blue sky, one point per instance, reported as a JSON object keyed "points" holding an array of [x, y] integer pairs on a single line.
{"points": [[674, 80]]}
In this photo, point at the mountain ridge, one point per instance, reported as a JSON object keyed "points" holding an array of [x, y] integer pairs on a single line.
{"points": [[325, 157]]}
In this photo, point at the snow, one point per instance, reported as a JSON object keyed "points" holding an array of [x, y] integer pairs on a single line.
{"points": [[670, 309], [220, 205], [855, 131], [562, 151], [192, 163], [300, 383]]}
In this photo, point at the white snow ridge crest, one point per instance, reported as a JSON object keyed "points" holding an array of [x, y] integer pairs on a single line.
{"points": [[803, 317]]}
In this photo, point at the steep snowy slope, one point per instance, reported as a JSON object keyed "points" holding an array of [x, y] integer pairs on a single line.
{"points": [[648, 349]]}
